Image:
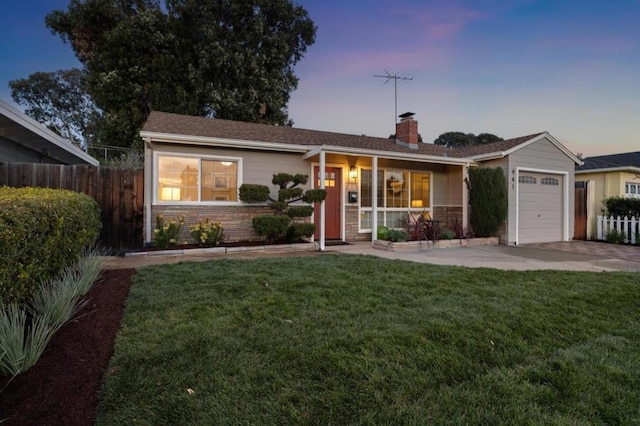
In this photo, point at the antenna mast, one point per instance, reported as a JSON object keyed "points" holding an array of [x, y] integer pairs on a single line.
{"points": [[395, 78]]}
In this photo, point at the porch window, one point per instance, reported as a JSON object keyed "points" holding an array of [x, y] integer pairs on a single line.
{"points": [[399, 191], [196, 179]]}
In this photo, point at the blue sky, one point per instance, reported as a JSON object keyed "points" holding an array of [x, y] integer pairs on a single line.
{"points": [[506, 67]]}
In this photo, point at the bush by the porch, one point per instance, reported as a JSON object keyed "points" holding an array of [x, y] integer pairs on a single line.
{"points": [[286, 222], [488, 198]]}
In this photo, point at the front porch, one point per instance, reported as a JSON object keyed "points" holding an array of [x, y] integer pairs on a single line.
{"points": [[375, 191]]}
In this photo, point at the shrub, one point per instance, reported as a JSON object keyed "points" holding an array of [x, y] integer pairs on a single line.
{"points": [[271, 227], [296, 231], [42, 231], [488, 198], [614, 236], [397, 235], [207, 234], [166, 234], [622, 206], [382, 232], [446, 234], [289, 224]]}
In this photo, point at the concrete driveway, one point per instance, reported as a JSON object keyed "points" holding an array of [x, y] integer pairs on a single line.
{"points": [[567, 256]]}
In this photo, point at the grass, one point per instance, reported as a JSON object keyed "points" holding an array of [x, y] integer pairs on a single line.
{"points": [[363, 340]]}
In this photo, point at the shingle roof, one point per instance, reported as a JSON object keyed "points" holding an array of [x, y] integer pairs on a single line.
{"points": [[162, 122], [626, 159], [178, 124], [496, 147]]}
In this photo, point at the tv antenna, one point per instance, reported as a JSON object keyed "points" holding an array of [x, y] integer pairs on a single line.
{"points": [[395, 78]]}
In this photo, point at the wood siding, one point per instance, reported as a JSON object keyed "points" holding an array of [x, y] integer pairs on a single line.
{"points": [[118, 192]]}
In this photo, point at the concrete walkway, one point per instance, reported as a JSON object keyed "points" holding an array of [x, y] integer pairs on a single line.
{"points": [[566, 256]]}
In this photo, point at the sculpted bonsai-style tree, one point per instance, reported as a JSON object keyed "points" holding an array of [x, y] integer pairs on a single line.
{"points": [[289, 220]]}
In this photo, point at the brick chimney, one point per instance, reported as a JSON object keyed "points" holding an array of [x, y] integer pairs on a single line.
{"points": [[407, 131]]}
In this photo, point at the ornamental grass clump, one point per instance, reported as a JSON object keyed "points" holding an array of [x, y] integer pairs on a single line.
{"points": [[25, 330], [207, 233], [166, 234]]}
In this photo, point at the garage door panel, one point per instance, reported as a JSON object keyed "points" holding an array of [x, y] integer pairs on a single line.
{"points": [[540, 208]]}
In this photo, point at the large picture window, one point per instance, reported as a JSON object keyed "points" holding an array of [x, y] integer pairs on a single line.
{"points": [[193, 179], [399, 191]]}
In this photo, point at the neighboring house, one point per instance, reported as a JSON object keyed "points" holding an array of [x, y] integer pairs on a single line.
{"points": [[604, 176], [24, 140], [194, 167]]}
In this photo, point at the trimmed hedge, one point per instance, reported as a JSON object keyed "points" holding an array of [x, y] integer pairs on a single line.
{"points": [[488, 197], [42, 231], [622, 206]]}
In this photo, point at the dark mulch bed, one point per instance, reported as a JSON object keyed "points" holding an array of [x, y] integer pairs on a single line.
{"points": [[62, 388]]}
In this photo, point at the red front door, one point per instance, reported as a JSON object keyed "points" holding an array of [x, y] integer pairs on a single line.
{"points": [[333, 183]]}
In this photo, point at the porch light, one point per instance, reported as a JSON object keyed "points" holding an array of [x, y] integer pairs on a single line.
{"points": [[353, 172], [170, 193], [416, 203]]}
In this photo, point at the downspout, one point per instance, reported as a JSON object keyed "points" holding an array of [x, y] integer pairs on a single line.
{"points": [[148, 176]]}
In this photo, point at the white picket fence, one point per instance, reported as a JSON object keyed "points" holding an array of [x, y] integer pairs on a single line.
{"points": [[630, 227]]}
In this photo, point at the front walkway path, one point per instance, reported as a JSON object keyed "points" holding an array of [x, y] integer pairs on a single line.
{"points": [[568, 256]]}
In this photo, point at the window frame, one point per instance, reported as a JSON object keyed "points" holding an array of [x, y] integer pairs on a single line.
{"points": [[632, 190], [200, 158], [383, 210]]}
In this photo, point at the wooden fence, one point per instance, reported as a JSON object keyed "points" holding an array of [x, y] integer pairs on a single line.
{"points": [[630, 226], [118, 192]]}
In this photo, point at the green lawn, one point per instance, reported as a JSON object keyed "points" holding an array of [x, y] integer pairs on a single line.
{"points": [[362, 340]]}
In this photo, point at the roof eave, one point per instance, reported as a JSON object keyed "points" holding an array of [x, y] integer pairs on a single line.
{"points": [[230, 143], [47, 135], [410, 156], [610, 169]]}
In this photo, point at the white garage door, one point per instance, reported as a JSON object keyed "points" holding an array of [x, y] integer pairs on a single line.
{"points": [[540, 206]]}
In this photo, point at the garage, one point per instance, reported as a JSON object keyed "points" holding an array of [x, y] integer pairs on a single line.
{"points": [[540, 207]]}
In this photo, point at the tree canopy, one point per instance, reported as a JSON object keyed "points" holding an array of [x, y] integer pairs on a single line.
{"points": [[60, 101], [461, 140], [216, 58]]}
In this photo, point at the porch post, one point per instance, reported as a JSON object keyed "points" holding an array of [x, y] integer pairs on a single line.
{"points": [[465, 195], [374, 199], [321, 178]]}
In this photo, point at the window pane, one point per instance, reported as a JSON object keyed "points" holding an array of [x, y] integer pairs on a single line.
{"points": [[365, 220], [549, 181], [177, 179], [219, 180], [380, 188], [526, 179], [420, 190], [397, 189], [365, 190]]}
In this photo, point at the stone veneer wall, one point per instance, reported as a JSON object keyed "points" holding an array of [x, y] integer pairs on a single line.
{"points": [[447, 215], [236, 220]]}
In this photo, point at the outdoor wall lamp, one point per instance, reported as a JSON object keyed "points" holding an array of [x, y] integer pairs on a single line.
{"points": [[353, 172]]}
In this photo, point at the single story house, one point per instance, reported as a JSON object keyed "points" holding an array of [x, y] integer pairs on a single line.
{"points": [[194, 167], [600, 177], [24, 140]]}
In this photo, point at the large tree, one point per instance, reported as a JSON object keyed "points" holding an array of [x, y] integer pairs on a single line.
{"points": [[461, 140], [60, 101], [219, 58]]}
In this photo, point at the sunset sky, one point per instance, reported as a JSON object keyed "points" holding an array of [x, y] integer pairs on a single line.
{"points": [[506, 67]]}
